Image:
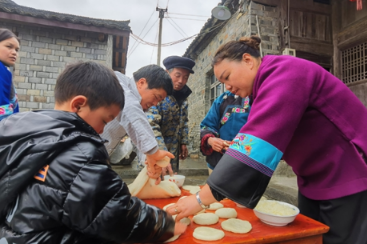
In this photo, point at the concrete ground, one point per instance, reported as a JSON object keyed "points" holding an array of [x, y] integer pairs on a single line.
{"points": [[282, 186]]}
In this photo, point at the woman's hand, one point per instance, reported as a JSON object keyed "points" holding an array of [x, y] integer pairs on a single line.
{"points": [[154, 172], [218, 144], [185, 207], [179, 228]]}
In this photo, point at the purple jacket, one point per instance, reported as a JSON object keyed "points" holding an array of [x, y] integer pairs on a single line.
{"points": [[309, 117]]}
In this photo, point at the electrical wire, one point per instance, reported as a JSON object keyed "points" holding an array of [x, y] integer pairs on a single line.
{"points": [[190, 15], [187, 19], [169, 21], [143, 37], [143, 28], [185, 35]]}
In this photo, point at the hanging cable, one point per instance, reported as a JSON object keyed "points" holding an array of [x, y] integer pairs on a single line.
{"points": [[185, 35], [151, 57], [169, 21], [143, 29], [187, 19], [190, 15], [143, 37]]}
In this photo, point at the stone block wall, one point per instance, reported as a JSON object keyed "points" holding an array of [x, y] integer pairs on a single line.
{"points": [[44, 53], [241, 24]]}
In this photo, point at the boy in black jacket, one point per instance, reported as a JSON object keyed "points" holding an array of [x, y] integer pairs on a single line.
{"points": [[56, 184]]}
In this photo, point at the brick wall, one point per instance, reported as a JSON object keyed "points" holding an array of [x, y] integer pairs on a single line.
{"points": [[44, 53], [240, 24]]}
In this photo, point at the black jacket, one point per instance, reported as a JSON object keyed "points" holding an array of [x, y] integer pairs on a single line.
{"points": [[56, 186]]}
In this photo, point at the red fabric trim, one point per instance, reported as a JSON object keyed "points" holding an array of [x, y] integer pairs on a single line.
{"points": [[206, 149]]}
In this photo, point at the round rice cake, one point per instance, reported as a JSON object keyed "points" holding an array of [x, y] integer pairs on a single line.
{"points": [[206, 219], [208, 234], [226, 213], [165, 207], [185, 220], [215, 206], [236, 226], [192, 189], [173, 238]]}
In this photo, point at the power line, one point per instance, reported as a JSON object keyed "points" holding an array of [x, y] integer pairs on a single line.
{"points": [[191, 15], [143, 29], [178, 27], [187, 19], [169, 21], [143, 37]]}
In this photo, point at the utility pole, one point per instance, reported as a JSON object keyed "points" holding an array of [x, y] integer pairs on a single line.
{"points": [[161, 16]]}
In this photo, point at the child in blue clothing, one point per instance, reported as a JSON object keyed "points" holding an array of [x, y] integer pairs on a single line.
{"points": [[221, 124]]}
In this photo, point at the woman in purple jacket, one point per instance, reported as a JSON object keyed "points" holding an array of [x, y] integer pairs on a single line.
{"points": [[306, 116]]}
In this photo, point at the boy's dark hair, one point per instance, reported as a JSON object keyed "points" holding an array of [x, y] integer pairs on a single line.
{"points": [[156, 77], [7, 34], [96, 82]]}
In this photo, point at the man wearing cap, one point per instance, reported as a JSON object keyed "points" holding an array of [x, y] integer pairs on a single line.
{"points": [[169, 118]]}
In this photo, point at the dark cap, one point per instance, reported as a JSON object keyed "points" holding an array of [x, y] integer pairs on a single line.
{"points": [[179, 62]]}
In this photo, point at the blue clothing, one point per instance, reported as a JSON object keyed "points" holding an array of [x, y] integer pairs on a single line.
{"points": [[8, 104], [224, 120]]}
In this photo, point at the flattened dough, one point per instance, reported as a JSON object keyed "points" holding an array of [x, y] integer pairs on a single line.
{"points": [[165, 207], [208, 234], [236, 226], [173, 238], [226, 213], [206, 219], [144, 187], [192, 189], [185, 221], [215, 206]]}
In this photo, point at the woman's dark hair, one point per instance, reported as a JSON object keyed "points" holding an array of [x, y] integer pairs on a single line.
{"points": [[95, 81], [7, 34], [156, 77], [234, 50]]}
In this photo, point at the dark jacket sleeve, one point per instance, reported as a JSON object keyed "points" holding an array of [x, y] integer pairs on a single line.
{"points": [[99, 204]]}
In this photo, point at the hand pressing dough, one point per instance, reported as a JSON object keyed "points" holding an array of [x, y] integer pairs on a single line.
{"points": [[215, 206], [208, 234], [192, 189], [165, 207], [226, 213], [144, 187], [236, 226], [185, 220], [206, 219]]}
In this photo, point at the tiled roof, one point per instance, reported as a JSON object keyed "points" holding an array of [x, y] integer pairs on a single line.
{"points": [[9, 6], [209, 31]]}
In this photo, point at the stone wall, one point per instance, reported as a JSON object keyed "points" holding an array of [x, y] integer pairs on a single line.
{"points": [[240, 24], [44, 53]]}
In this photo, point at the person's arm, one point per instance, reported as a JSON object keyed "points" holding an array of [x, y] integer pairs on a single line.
{"points": [[154, 115], [105, 209], [184, 130]]}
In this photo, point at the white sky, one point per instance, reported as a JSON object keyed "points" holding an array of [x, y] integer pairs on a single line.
{"points": [[139, 12]]}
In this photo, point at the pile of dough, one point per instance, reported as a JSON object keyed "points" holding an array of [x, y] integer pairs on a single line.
{"points": [[144, 187], [192, 189], [206, 219], [236, 226], [208, 234], [215, 206], [226, 213]]}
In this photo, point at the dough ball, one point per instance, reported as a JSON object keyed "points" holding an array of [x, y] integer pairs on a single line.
{"points": [[215, 206], [206, 219], [208, 234], [226, 213], [236, 226]]}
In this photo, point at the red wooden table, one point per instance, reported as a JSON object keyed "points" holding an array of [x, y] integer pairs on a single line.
{"points": [[302, 230]]}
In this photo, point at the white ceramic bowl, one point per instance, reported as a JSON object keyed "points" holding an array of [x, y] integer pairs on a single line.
{"points": [[178, 179], [276, 220]]}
